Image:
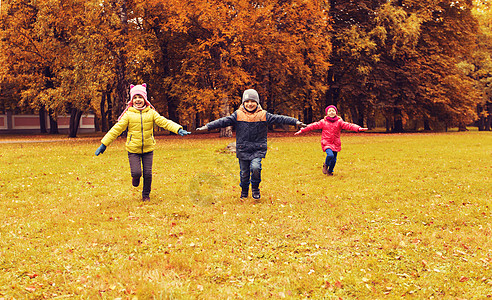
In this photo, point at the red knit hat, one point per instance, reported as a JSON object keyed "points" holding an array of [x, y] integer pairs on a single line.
{"points": [[331, 106]]}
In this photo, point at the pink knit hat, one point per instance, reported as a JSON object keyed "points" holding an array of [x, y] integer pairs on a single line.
{"points": [[137, 90], [331, 106]]}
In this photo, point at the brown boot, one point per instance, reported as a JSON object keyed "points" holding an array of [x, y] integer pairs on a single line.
{"points": [[325, 169]]}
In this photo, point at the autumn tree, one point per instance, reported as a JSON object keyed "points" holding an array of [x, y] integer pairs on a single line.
{"points": [[26, 56], [401, 58], [353, 57], [446, 94], [280, 48], [36, 39], [294, 57], [407, 62], [160, 36], [479, 65]]}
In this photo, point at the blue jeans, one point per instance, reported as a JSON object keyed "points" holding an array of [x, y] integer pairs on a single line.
{"points": [[250, 171], [331, 159]]}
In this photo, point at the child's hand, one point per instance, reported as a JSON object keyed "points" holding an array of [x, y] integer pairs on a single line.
{"points": [[100, 150], [299, 132], [202, 128], [302, 125], [363, 129], [182, 132]]}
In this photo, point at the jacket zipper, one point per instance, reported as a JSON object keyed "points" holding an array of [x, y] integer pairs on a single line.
{"points": [[141, 129]]}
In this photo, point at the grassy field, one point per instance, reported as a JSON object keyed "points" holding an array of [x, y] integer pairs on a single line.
{"points": [[404, 216]]}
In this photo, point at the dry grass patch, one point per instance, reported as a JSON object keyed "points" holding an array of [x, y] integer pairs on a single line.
{"points": [[404, 215]]}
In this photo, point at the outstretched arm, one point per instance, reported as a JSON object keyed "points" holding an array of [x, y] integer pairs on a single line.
{"points": [[165, 123], [352, 127], [281, 119], [312, 126], [169, 125], [221, 123], [115, 131]]}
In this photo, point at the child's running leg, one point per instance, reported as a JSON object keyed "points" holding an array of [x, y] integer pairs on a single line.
{"points": [[244, 174], [147, 159], [331, 160], [256, 177], [135, 167]]}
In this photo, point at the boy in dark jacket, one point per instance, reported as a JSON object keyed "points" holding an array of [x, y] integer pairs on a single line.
{"points": [[251, 123]]}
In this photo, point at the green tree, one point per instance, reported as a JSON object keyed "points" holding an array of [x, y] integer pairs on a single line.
{"points": [[401, 58]]}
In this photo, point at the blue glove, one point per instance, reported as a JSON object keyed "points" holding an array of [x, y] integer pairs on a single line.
{"points": [[182, 132], [100, 150]]}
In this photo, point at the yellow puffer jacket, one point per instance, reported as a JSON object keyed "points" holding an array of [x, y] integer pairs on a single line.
{"points": [[140, 123]]}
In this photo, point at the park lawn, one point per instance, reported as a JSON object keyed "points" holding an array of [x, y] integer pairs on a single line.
{"points": [[404, 215]]}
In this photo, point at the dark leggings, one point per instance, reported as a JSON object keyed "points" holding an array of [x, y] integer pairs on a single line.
{"points": [[136, 163]]}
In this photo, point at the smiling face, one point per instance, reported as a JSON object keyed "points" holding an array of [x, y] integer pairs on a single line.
{"points": [[331, 112], [138, 101], [250, 105]]}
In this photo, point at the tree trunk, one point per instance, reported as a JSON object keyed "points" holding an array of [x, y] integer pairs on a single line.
{"points": [[53, 124], [481, 118], [355, 114], [308, 115], [269, 103], [109, 112], [42, 120], [197, 121], [426, 124], [121, 87], [97, 123], [122, 84], [75, 116], [462, 126], [103, 112], [224, 112], [388, 123], [488, 120], [360, 120], [172, 109], [371, 118], [398, 123]]}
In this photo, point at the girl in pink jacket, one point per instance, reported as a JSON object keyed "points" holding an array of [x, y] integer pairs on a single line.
{"points": [[331, 127]]}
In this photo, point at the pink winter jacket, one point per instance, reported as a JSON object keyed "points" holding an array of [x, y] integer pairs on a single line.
{"points": [[330, 135]]}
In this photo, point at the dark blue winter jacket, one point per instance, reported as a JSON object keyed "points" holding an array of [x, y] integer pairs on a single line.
{"points": [[251, 130]]}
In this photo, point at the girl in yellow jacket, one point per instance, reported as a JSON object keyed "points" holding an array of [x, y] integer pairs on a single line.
{"points": [[139, 117]]}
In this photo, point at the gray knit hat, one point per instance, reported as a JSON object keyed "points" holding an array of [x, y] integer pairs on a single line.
{"points": [[251, 95]]}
